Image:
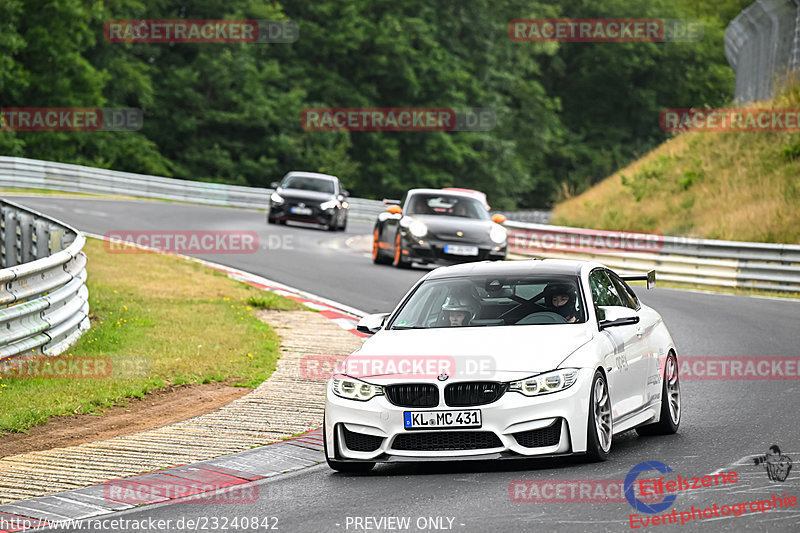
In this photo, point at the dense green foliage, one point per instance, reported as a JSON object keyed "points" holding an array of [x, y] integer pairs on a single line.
{"points": [[568, 114]]}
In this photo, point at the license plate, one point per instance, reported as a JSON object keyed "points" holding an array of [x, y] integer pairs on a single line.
{"points": [[300, 210], [456, 249], [442, 419]]}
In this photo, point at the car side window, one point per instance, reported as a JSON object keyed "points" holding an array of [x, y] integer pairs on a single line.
{"points": [[603, 290], [626, 294]]}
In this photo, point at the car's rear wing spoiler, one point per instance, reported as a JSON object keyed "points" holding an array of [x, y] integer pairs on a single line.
{"points": [[650, 278]]}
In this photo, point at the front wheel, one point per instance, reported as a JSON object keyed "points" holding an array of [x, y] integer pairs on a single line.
{"points": [[377, 255], [398, 261], [600, 424], [670, 402]]}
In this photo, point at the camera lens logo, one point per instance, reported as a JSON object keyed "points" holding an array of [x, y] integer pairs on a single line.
{"points": [[636, 503]]}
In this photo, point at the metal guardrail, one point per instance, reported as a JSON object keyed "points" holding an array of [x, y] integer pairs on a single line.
{"points": [[31, 173], [707, 262], [44, 302], [697, 261]]}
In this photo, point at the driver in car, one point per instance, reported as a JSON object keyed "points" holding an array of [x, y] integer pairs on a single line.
{"points": [[458, 313], [560, 298]]}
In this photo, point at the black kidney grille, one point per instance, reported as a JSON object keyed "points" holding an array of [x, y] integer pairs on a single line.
{"points": [[473, 393], [413, 395], [538, 438], [447, 440], [359, 442]]}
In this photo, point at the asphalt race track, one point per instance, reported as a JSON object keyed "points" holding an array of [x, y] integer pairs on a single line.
{"points": [[723, 421]]}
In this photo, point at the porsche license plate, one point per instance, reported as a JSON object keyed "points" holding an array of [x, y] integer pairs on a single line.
{"points": [[457, 249], [442, 419], [300, 210]]}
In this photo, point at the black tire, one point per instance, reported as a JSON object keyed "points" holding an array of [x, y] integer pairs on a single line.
{"points": [[340, 466], [343, 227], [270, 220], [670, 399], [282, 222], [397, 260], [595, 450], [378, 256]]}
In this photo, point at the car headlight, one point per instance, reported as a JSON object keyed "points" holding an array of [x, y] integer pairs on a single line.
{"points": [[276, 198], [354, 389], [330, 204], [498, 233], [418, 229], [555, 381]]}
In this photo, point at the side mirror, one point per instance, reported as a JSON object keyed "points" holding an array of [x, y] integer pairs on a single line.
{"points": [[345, 192], [275, 185], [395, 209], [371, 324], [613, 315], [498, 218]]}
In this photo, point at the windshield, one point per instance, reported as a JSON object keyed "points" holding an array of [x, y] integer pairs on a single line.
{"points": [[492, 301], [440, 204], [305, 183]]}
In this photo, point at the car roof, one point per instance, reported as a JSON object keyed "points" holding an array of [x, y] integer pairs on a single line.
{"points": [[546, 267], [303, 174]]}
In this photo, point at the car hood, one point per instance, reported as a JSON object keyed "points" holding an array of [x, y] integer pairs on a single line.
{"points": [[299, 194], [493, 353], [447, 227]]}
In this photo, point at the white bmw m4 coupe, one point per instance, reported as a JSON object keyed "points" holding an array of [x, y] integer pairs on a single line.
{"points": [[498, 360]]}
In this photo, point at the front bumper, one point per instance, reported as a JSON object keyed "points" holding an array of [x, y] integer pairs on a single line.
{"points": [[514, 426], [427, 250], [280, 212]]}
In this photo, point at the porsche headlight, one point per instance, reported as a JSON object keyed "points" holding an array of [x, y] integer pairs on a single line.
{"points": [[418, 229], [354, 389], [555, 381], [498, 234], [276, 198], [330, 204]]}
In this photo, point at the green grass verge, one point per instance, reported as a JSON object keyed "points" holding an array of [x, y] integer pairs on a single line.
{"points": [[160, 321]]}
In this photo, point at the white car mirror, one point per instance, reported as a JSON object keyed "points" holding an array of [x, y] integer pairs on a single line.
{"points": [[613, 315], [371, 323]]}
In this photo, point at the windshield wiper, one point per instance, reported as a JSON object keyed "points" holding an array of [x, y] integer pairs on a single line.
{"points": [[409, 327]]}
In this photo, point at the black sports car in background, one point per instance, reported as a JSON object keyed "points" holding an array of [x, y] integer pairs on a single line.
{"points": [[438, 226], [309, 197]]}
